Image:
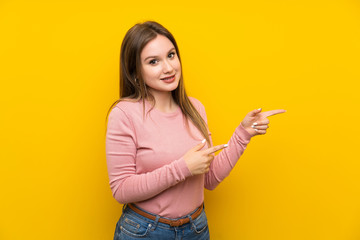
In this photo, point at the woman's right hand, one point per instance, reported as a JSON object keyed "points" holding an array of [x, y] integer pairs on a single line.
{"points": [[198, 161]]}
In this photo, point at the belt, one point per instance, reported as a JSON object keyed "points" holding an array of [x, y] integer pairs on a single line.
{"points": [[173, 223]]}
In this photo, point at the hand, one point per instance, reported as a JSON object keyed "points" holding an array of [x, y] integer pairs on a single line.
{"points": [[256, 123], [198, 161]]}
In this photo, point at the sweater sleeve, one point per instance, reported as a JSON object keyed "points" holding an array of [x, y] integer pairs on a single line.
{"points": [[126, 185], [224, 162]]}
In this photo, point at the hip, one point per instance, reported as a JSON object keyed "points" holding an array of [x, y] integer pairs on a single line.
{"points": [[134, 225]]}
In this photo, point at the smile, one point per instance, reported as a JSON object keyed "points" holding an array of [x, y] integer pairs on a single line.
{"points": [[168, 79]]}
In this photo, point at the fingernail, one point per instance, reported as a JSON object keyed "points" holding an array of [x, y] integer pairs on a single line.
{"points": [[203, 140], [254, 124], [225, 145], [256, 129], [259, 108]]}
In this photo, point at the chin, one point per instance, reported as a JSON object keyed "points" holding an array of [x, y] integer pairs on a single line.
{"points": [[177, 85]]}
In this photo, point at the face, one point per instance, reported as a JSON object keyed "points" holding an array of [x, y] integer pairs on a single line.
{"points": [[160, 65]]}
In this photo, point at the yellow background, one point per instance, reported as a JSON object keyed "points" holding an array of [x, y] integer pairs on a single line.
{"points": [[59, 75]]}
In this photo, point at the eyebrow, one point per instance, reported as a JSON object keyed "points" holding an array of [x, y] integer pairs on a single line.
{"points": [[157, 56]]}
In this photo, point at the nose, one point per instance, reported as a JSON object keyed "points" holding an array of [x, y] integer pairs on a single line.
{"points": [[167, 67]]}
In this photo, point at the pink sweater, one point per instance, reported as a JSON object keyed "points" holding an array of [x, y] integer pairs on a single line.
{"points": [[145, 159]]}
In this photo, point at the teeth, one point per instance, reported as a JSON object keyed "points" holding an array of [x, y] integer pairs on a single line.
{"points": [[168, 78]]}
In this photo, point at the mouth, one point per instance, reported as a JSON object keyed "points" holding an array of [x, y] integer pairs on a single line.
{"points": [[168, 79]]}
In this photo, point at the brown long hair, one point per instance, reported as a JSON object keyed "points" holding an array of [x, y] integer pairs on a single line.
{"points": [[130, 69]]}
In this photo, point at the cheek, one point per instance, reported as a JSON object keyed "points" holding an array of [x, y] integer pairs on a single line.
{"points": [[150, 72], [177, 65]]}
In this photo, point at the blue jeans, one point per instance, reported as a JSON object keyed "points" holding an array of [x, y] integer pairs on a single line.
{"points": [[132, 225]]}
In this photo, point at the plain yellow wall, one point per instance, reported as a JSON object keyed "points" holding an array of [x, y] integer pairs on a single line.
{"points": [[59, 73]]}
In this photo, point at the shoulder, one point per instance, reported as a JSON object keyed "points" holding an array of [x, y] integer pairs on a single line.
{"points": [[124, 114], [126, 108], [197, 104], [128, 104]]}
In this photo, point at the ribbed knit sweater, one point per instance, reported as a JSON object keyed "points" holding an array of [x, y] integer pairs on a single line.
{"points": [[145, 158]]}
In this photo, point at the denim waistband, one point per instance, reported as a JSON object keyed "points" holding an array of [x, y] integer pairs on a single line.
{"points": [[127, 209]]}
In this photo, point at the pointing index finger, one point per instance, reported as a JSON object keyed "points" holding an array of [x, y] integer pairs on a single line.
{"points": [[215, 149], [273, 112]]}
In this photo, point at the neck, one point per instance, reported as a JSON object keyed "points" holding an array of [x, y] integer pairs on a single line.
{"points": [[164, 101]]}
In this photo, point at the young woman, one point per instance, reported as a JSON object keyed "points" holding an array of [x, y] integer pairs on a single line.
{"points": [[158, 147]]}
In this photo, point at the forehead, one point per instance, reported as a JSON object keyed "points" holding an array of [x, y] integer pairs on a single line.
{"points": [[157, 47]]}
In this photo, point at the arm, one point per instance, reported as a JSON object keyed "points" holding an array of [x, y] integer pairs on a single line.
{"points": [[224, 162], [126, 185]]}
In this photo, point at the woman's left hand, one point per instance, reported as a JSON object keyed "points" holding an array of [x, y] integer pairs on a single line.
{"points": [[256, 122]]}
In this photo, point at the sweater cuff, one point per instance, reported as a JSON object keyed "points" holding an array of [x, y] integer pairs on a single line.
{"points": [[184, 168], [243, 134]]}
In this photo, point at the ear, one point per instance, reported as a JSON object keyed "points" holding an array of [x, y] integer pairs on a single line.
{"points": [[135, 78]]}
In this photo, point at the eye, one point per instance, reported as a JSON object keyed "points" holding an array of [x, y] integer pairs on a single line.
{"points": [[171, 55], [152, 62]]}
